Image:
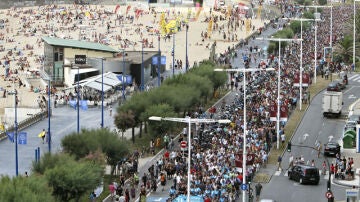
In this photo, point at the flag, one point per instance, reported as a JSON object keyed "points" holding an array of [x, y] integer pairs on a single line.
{"points": [[117, 8], [84, 105], [72, 103], [41, 134], [22, 138], [2, 127], [273, 112], [127, 9], [283, 113], [10, 136]]}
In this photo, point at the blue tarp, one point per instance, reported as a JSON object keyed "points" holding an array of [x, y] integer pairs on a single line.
{"points": [[182, 198]]}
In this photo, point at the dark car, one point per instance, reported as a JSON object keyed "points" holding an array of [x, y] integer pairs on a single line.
{"points": [[335, 86], [304, 174], [331, 148]]}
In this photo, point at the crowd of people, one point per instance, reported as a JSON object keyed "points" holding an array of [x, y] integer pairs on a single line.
{"points": [[216, 173]]}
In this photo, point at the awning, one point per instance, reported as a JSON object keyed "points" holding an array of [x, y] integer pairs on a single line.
{"points": [[97, 86]]}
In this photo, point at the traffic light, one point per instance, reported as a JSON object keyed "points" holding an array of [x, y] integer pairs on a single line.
{"points": [[289, 147]]}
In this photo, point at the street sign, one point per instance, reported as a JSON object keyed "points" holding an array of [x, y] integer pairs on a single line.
{"points": [[244, 187], [183, 144], [80, 59], [328, 194]]}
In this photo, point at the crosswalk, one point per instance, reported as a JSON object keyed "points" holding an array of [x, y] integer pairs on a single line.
{"points": [[284, 173], [354, 78]]}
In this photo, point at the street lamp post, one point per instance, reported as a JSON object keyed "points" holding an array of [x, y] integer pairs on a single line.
{"points": [[301, 54], [189, 121], [278, 91], [142, 85], [354, 34], [158, 65], [243, 70], [317, 18], [15, 132], [102, 92], [123, 76], [49, 115], [186, 49], [173, 55], [78, 101]]}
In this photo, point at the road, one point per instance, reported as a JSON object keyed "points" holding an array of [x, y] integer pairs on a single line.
{"points": [[312, 129]]}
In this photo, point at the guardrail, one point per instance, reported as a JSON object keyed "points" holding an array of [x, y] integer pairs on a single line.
{"points": [[25, 123]]}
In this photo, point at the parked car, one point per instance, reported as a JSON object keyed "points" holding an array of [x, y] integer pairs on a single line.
{"points": [[304, 174], [331, 148]]}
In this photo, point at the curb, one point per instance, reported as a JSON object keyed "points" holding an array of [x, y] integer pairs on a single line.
{"points": [[337, 182]]}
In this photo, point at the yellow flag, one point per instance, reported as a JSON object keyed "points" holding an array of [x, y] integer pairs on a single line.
{"points": [[2, 127], [42, 134]]}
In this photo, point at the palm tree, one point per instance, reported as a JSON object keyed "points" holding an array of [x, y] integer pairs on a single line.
{"points": [[344, 49]]}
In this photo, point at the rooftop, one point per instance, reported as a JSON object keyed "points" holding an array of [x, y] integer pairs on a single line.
{"points": [[78, 44]]}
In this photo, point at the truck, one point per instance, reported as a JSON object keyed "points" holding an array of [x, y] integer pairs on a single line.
{"points": [[332, 103]]}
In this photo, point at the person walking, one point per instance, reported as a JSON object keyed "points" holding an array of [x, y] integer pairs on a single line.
{"points": [[258, 188], [279, 162]]}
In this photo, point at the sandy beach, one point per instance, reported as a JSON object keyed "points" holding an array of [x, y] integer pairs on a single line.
{"points": [[107, 24]]}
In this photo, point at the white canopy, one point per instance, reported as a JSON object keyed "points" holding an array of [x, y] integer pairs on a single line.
{"points": [[110, 81]]}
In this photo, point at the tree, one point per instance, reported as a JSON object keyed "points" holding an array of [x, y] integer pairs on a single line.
{"points": [[124, 120], [30, 189], [344, 49], [74, 179], [161, 110], [93, 140]]}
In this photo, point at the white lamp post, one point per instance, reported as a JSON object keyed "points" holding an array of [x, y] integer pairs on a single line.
{"points": [[278, 93], [189, 121], [301, 53], [354, 34], [243, 70], [317, 18]]}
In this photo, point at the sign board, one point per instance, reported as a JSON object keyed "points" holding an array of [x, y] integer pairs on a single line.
{"points": [[155, 60], [244, 187], [80, 59], [183, 144], [352, 193], [328, 194], [22, 138]]}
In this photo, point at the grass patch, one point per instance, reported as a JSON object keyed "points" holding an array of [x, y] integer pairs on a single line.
{"points": [[261, 178], [296, 116]]}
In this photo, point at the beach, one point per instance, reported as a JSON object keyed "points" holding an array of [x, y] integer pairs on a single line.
{"points": [[121, 27]]}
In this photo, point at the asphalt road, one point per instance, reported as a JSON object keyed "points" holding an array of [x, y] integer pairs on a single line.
{"points": [[312, 129]]}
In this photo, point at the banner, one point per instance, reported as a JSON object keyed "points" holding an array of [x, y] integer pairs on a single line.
{"points": [[10, 136], [83, 104], [273, 112], [72, 103], [305, 79], [22, 138], [283, 113], [297, 79]]}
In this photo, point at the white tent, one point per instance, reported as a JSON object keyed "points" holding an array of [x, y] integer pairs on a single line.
{"points": [[110, 81]]}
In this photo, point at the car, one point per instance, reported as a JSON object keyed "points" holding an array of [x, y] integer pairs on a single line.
{"points": [[304, 174], [340, 83], [331, 148], [335, 86]]}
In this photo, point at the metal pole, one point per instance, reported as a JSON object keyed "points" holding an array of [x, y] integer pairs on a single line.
{"points": [[331, 30], [158, 69], [244, 139], [278, 101], [301, 60], [186, 49], [354, 36], [123, 76], [78, 101], [189, 160], [315, 54], [102, 92], [49, 114], [142, 67], [173, 58], [16, 137]]}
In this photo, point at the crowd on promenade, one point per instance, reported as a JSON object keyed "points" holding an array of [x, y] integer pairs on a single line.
{"points": [[216, 173]]}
